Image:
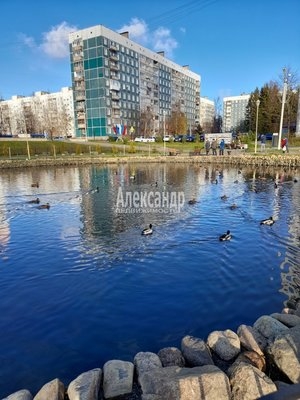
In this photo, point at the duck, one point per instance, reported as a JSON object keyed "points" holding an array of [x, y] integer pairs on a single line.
{"points": [[267, 221], [35, 185], [43, 206], [193, 201], [233, 206], [147, 231], [34, 201], [224, 197], [225, 236]]}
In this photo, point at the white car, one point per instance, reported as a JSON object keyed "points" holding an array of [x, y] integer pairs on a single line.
{"points": [[167, 138], [143, 139]]}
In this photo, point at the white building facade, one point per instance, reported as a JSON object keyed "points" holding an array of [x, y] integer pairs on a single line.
{"points": [[207, 114], [46, 113], [235, 112]]}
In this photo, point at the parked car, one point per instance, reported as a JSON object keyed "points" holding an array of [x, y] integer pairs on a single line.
{"points": [[167, 138], [190, 138], [178, 138]]}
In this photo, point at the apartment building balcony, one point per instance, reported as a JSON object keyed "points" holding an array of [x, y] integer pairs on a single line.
{"points": [[113, 47], [77, 57], [114, 66], [78, 78], [81, 125], [78, 68], [115, 105], [79, 107], [80, 86], [114, 57], [115, 96], [114, 76], [79, 96], [77, 47]]}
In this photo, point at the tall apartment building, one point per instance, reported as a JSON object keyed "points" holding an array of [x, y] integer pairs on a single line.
{"points": [[117, 83], [44, 112], [207, 114], [234, 112]]}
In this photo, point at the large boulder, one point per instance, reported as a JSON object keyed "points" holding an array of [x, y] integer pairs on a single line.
{"points": [[86, 386], [289, 320], [173, 383], [269, 327], [196, 352], [23, 394], [117, 378], [53, 390], [285, 353], [171, 357], [226, 344], [251, 339], [249, 383]]}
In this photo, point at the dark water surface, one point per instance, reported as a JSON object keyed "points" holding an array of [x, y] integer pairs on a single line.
{"points": [[80, 285]]}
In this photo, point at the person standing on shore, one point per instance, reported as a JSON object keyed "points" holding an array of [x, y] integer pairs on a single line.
{"points": [[263, 142], [207, 146], [214, 147], [222, 147]]}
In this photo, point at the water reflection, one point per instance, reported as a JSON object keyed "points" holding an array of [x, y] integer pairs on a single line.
{"points": [[81, 273]]}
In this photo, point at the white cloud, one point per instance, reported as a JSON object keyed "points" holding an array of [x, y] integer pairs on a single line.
{"points": [[138, 31], [162, 40], [158, 40], [55, 43]]}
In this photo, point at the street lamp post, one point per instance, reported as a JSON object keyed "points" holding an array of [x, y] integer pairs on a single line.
{"points": [[256, 126], [285, 84], [164, 133]]}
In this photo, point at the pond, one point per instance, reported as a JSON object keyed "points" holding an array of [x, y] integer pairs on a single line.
{"points": [[80, 285]]}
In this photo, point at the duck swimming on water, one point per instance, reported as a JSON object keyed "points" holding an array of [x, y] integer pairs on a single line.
{"points": [[225, 236], [34, 201], [267, 221], [147, 231], [43, 206], [193, 201]]}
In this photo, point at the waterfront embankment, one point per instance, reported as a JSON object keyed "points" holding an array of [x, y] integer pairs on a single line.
{"points": [[291, 160], [254, 362]]}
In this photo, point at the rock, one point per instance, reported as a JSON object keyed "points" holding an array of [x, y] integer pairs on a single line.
{"points": [[117, 378], [251, 339], [53, 390], [20, 395], [174, 383], [269, 327], [171, 356], [145, 362], [287, 310], [288, 320], [249, 383], [285, 353], [195, 351], [86, 386], [249, 357], [225, 343]]}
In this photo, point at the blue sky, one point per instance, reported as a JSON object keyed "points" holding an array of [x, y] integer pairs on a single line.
{"points": [[234, 45]]}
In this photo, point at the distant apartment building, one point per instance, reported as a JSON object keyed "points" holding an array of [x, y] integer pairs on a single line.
{"points": [[44, 112], [207, 114], [121, 87], [234, 112]]}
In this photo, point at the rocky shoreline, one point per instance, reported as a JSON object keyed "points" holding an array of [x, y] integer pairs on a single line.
{"points": [[254, 362]]}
